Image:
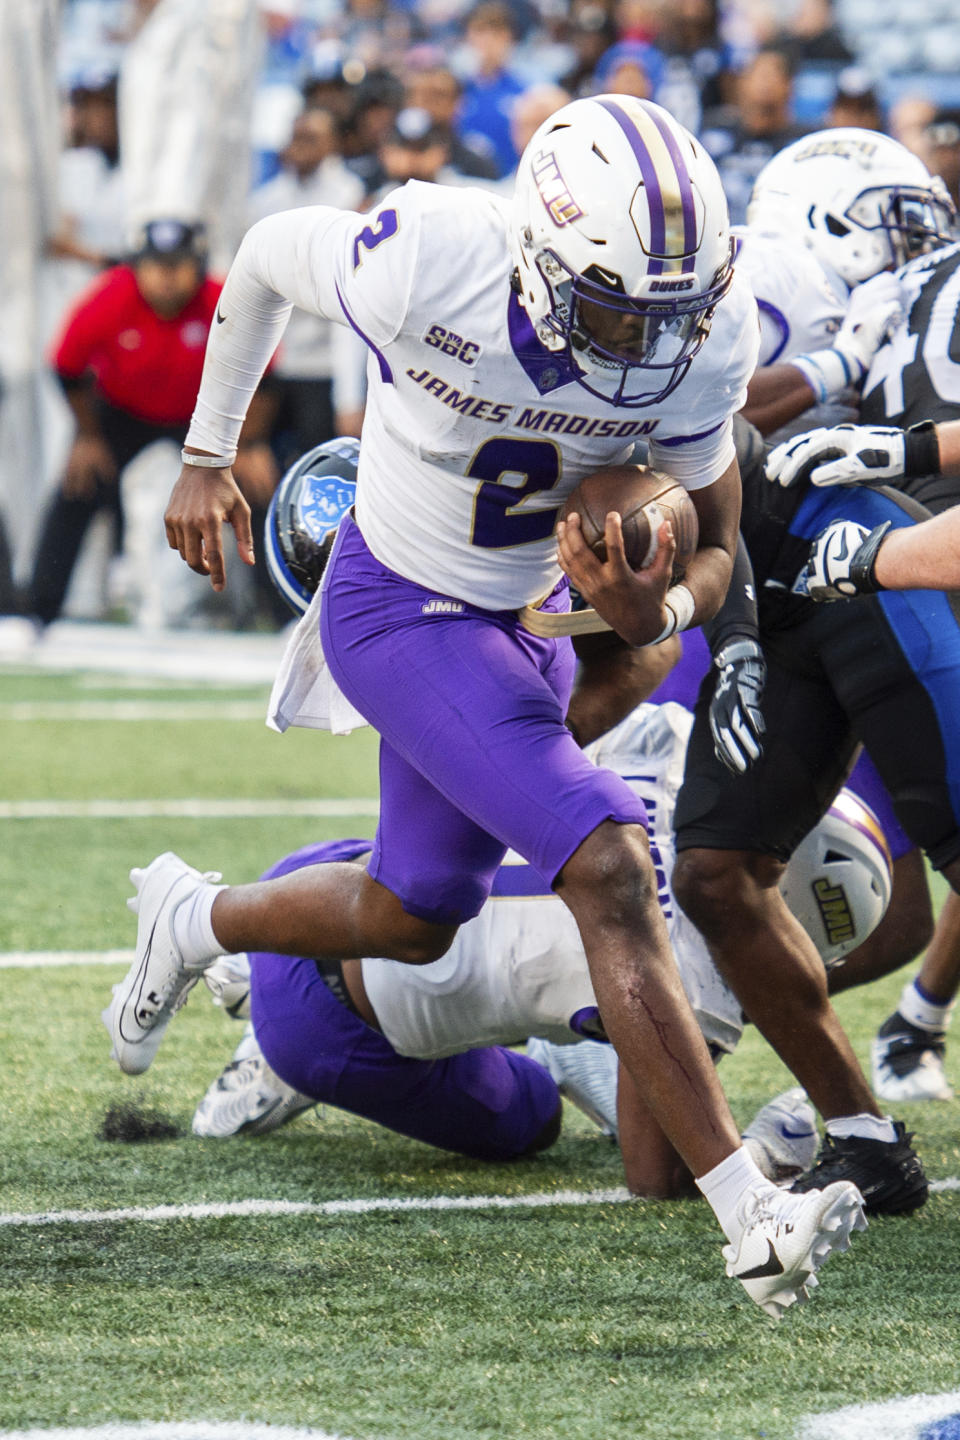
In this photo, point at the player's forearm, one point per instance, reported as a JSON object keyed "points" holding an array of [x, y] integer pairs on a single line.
{"points": [[922, 557], [776, 395], [270, 274], [948, 438], [709, 573]]}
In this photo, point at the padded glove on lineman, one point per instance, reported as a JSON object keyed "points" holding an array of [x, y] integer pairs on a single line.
{"points": [[736, 720], [874, 310], [855, 455], [842, 560]]}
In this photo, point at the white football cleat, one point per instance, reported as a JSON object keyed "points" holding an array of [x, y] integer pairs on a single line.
{"points": [[782, 1137], [248, 1098], [586, 1073], [908, 1062], [159, 978], [228, 980], [783, 1244]]}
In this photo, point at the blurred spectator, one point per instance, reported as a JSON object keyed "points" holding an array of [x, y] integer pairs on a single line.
{"points": [[377, 100], [435, 88], [813, 37], [417, 148], [129, 359], [697, 60], [630, 68], [909, 119], [855, 101], [591, 32], [743, 137], [531, 109], [91, 231], [638, 19], [492, 86], [330, 85], [942, 138], [317, 375]]}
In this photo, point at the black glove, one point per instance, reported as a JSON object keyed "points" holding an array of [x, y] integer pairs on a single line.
{"points": [[736, 721]]}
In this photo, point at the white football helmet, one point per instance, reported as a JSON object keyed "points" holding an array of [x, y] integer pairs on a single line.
{"points": [[620, 235], [839, 878], [859, 200]]}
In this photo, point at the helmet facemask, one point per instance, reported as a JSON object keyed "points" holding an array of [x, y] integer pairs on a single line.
{"points": [[911, 220], [608, 335]]}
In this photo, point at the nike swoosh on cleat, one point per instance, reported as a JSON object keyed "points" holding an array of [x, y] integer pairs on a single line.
{"points": [[773, 1265]]}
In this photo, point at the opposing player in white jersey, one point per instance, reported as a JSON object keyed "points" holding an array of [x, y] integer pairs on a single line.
{"points": [[512, 351], [367, 1034], [830, 218]]}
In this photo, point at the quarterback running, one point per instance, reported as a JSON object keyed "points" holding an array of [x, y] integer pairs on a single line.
{"points": [[514, 349]]}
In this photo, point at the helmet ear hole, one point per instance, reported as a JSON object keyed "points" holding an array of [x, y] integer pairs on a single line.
{"points": [[835, 226]]}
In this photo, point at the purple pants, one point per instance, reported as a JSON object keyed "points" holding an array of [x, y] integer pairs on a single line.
{"points": [[490, 1104], [474, 754]]}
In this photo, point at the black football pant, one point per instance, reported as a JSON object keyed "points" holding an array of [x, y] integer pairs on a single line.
{"points": [[68, 519]]}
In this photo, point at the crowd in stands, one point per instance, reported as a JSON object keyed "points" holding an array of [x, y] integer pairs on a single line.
{"points": [[358, 96]]}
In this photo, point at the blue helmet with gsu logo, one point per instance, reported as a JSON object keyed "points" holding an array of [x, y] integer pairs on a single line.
{"points": [[303, 517]]}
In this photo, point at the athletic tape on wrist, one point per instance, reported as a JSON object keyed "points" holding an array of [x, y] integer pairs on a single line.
{"points": [[207, 462], [827, 372], [680, 606]]}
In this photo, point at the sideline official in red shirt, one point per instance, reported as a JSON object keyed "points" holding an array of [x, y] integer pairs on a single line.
{"points": [[129, 358]]}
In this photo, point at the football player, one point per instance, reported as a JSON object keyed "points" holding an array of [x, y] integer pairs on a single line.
{"points": [[513, 350], [401, 1044], [516, 968], [831, 217], [912, 442]]}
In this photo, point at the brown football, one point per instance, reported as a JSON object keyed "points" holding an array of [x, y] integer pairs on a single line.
{"points": [[643, 498]]}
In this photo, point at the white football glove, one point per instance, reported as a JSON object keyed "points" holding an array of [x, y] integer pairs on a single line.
{"points": [[841, 561], [841, 455], [874, 311], [855, 455]]}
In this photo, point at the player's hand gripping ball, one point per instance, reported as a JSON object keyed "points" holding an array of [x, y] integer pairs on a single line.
{"points": [[643, 498]]}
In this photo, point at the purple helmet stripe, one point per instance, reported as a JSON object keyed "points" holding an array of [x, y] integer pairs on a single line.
{"points": [[686, 189], [650, 181]]}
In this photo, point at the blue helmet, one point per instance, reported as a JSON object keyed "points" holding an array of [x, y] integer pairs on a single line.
{"points": [[303, 517]]}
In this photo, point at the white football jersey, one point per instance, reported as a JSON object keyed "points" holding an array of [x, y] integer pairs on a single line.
{"points": [[519, 967], [475, 433], [801, 303]]}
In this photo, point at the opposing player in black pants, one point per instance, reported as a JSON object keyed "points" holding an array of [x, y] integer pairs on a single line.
{"points": [[885, 672], [911, 385]]}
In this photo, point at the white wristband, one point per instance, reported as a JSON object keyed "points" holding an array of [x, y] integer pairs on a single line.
{"points": [[680, 607], [207, 462], [827, 372]]}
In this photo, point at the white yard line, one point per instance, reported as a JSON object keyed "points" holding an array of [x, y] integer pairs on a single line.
{"points": [[243, 1209], [186, 809], [50, 959], [28, 711]]}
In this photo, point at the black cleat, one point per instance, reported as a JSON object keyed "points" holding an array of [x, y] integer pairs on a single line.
{"points": [[888, 1173]]}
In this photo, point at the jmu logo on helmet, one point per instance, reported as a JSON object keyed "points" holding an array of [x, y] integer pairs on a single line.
{"points": [[553, 189]]}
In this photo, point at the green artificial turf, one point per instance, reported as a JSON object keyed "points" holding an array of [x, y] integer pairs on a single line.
{"points": [[565, 1322]]}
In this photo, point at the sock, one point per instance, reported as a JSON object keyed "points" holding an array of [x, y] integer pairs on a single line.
{"points": [[863, 1127], [725, 1186], [193, 927], [918, 1007]]}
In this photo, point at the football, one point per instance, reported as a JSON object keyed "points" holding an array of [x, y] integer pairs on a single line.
{"points": [[643, 498]]}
